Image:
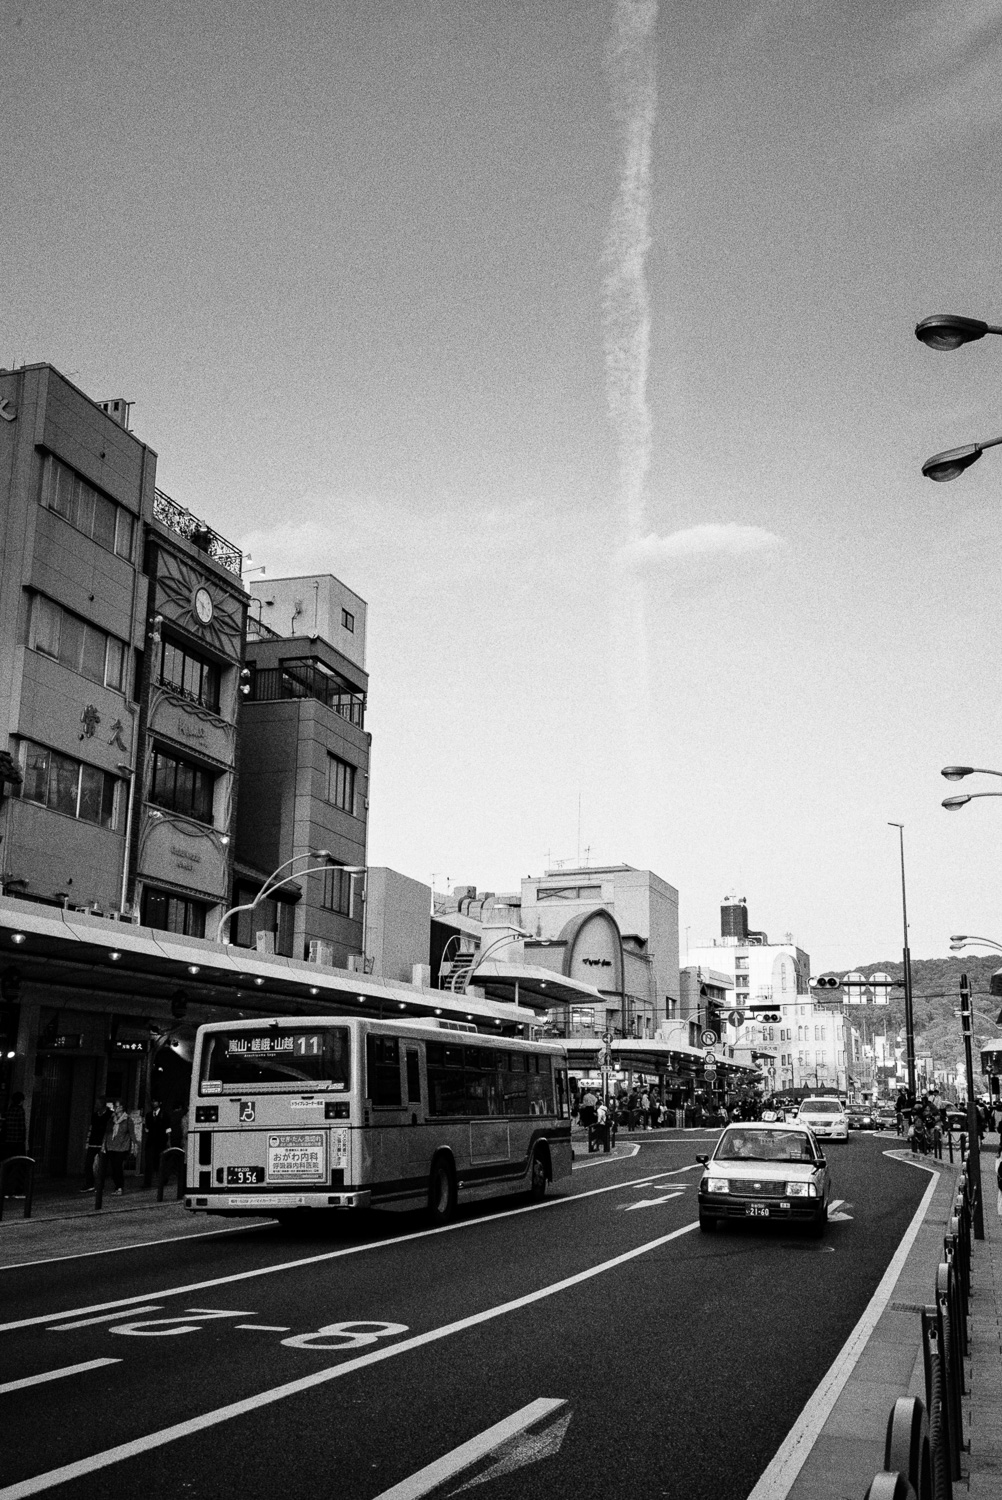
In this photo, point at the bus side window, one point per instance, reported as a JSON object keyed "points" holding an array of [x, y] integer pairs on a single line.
{"points": [[383, 1059], [413, 1077]]}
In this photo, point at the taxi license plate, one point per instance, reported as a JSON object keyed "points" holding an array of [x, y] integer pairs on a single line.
{"points": [[757, 1210]]}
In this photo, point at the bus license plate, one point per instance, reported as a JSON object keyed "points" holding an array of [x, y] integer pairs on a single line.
{"points": [[297, 1158], [757, 1210], [243, 1176]]}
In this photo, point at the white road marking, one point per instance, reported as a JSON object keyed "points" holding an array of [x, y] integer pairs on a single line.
{"points": [[527, 1448], [263, 1327], [66, 1472], [467, 1454], [205, 1234], [777, 1479], [104, 1318], [159, 1328], [129, 1303], [22, 1385], [651, 1202]]}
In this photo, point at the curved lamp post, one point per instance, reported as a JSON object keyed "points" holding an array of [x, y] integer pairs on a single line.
{"points": [[907, 966], [954, 804], [960, 940], [273, 884], [478, 960]]}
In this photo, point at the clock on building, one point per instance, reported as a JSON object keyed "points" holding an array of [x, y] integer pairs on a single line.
{"points": [[203, 605]]}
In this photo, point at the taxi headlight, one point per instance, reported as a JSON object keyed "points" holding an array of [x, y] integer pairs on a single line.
{"points": [[716, 1185], [801, 1190]]}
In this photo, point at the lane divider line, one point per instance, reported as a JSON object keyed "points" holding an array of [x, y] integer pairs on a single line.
{"points": [[96, 1461], [180, 1239], [777, 1479], [467, 1454], [29, 1380], [313, 1260]]}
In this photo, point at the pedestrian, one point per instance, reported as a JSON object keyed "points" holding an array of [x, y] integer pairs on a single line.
{"points": [[156, 1128], [900, 1105], [998, 1181], [119, 1143], [14, 1142], [602, 1125], [95, 1140], [645, 1110]]}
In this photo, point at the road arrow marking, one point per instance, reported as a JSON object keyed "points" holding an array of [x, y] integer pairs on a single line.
{"points": [[651, 1202], [510, 1432], [518, 1452], [835, 1216]]}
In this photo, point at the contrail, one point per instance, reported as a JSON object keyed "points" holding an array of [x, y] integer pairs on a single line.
{"points": [[630, 62]]}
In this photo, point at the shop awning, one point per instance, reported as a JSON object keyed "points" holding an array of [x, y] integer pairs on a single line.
{"points": [[531, 984]]}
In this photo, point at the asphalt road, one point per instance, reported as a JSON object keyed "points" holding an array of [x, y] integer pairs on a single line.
{"points": [[615, 1349]]}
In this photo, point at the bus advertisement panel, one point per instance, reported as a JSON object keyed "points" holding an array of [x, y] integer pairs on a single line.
{"points": [[344, 1112]]}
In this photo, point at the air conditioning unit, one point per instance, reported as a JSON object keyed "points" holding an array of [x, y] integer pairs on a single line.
{"points": [[321, 952], [264, 942]]}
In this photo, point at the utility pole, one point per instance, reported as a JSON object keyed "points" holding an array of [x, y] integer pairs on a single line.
{"points": [[973, 1140], [907, 957]]}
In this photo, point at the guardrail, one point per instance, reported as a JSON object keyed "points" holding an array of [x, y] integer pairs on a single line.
{"points": [[23, 1164], [925, 1439]]}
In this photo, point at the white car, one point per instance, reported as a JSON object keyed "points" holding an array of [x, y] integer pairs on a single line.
{"points": [[826, 1117]]}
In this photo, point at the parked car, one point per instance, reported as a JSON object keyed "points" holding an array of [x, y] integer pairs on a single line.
{"points": [[763, 1171], [825, 1116]]}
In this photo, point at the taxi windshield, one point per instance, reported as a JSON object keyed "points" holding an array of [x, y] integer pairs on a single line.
{"points": [[821, 1107], [764, 1145]]}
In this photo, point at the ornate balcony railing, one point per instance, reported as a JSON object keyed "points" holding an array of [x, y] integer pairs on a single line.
{"points": [[302, 680], [181, 521]]}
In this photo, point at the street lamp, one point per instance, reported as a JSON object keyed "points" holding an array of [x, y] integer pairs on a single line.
{"points": [[957, 773], [909, 1015], [954, 804], [953, 461], [950, 330], [960, 940], [272, 884]]}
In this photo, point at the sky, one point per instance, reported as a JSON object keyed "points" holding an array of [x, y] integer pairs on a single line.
{"points": [[577, 338]]}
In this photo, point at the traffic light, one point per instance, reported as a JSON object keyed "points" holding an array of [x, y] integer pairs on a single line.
{"points": [[826, 982], [767, 1015]]}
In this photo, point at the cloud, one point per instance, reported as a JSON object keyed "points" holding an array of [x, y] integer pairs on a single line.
{"points": [[711, 539]]}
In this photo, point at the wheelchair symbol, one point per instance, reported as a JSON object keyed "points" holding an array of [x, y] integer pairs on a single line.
{"points": [[247, 1112]]}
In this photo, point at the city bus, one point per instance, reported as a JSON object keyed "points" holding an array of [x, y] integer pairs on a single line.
{"points": [[343, 1112]]}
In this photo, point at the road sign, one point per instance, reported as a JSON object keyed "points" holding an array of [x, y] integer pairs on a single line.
{"points": [[707, 1037], [736, 1017], [710, 1057], [709, 1072]]}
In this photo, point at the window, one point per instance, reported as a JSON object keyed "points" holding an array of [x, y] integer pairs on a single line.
{"points": [[76, 644], [193, 676], [569, 893], [341, 783], [270, 915], [169, 913], [741, 963], [383, 1068], [68, 786], [348, 620], [337, 890], [182, 786], [110, 525], [276, 1059]]}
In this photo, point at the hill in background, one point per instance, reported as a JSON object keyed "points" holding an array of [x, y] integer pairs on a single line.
{"points": [[935, 998]]}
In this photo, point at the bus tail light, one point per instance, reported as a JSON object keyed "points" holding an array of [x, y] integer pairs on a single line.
{"points": [[336, 1109]]}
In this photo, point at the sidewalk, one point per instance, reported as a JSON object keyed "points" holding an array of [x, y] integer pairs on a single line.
{"points": [[849, 1449]]}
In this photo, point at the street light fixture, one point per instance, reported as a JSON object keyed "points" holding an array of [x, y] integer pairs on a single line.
{"points": [[957, 773], [960, 940], [950, 330], [272, 884], [954, 804], [953, 461]]}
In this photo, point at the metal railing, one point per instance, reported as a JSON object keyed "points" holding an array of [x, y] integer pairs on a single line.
{"points": [[13, 1168], [177, 519], [304, 681], [925, 1439]]}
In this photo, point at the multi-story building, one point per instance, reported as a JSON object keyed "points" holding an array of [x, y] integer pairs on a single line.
{"points": [[304, 771]]}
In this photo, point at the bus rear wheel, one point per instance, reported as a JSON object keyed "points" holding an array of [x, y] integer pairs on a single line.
{"points": [[441, 1192], [538, 1177]]}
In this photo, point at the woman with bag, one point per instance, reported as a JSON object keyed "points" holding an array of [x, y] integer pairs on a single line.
{"points": [[119, 1142]]}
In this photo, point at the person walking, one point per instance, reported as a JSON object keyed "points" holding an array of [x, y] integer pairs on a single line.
{"points": [[119, 1143], [95, 1140], [156, 1128]]}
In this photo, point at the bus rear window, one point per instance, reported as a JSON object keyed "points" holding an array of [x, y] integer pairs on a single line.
{"points": [[272, 1059]]}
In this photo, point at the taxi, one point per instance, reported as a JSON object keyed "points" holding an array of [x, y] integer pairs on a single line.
{"points": [[765, 1171], [826, 1116]]}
